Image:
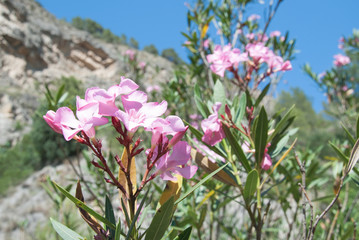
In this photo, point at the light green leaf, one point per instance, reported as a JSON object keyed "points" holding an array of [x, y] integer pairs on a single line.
{"points": [[160, 221], [118, 231], [241, 110], [192, 189], [219, 95], [251, 185], [65, 232]]}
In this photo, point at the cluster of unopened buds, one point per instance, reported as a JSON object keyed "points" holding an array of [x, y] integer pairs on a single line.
{"points": [[167, 155]]}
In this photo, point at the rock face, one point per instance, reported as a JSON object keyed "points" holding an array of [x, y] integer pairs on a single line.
{"points": [[35, 47]]}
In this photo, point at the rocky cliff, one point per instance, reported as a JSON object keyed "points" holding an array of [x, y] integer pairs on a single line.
{"points": [[35, 47]]}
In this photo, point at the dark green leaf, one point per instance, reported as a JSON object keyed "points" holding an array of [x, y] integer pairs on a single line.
{"points": [[282, 123], [261, 134], [237, 149], [134, 220], [110, 216], [251, 185], [82, 205], [65, 232], [357, 127], [59, 93], [160, 221], [350, 136], [261, 96], [185, 235], [340, 154]]}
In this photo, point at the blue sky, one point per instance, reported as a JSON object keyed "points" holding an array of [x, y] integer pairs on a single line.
{"points": [[317, 26]]}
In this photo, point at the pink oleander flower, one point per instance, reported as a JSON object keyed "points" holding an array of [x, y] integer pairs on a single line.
{"points": [[106, 99], [225, 58], [276, 63], [50, 120], [267, 162], [254, 17], [138, 112], [212, 127], [206, 43], [142, 65], [152, 88], [341, 60], [172, 125], [274, 34], [87, 115], [261, 37], [258, 52], [175, 162], [131, 54], [205, 151]]}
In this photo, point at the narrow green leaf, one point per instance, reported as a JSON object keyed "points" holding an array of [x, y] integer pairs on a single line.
{"points": [[280, 145], [160, 221], [261, 134], [192, 189], [251, 185], [118, 230], [219, 95], [59, 93], [241, 110], [136, 215], [340, 154], [202, 108], [237, 149], [261, 96], [128, 221], [350, 136], [281, 124], [63, 98], [65, 232], [357, 128], [185, 235], [110, 216], [82, 205]]}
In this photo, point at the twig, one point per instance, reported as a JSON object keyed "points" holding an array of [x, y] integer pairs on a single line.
{"points": [[333, 225], [311, 236], [304, 195]]}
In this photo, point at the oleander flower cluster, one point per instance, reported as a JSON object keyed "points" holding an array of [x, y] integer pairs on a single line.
{"points": [[255, 54], [168, 153]]}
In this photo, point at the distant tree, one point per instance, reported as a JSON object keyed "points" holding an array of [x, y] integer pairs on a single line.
{"points": [[98, 31], [134, 43], [171, 55], [151, 49]]}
